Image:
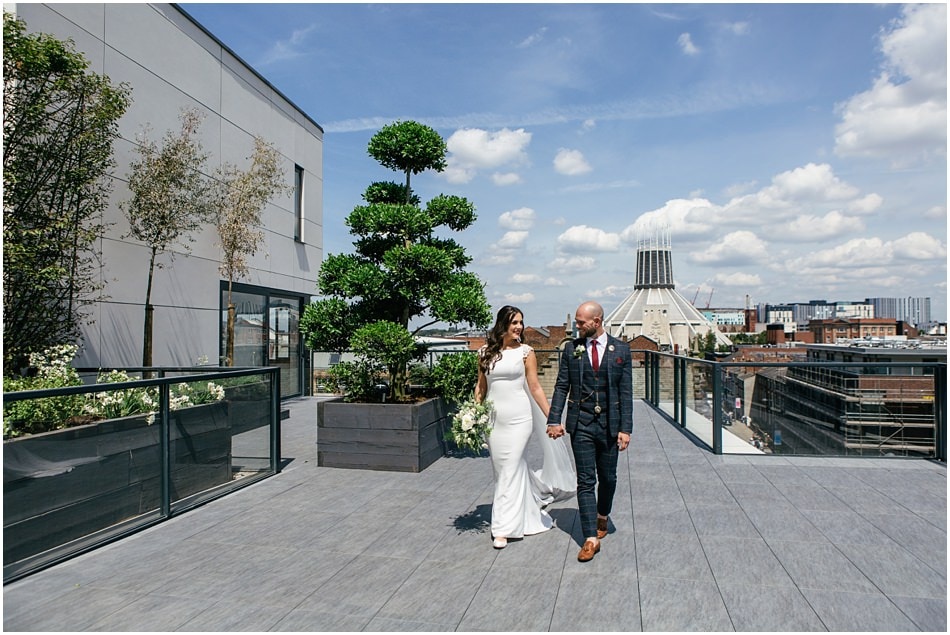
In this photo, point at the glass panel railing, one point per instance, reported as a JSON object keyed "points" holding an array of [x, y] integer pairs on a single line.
{"points": [[103, 473], [811, 409]]}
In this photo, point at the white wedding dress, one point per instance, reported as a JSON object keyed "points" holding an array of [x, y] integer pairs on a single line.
{"points": [[520, 492]]}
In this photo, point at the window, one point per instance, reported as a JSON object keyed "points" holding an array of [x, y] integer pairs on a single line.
{"points": [[298, 205]]}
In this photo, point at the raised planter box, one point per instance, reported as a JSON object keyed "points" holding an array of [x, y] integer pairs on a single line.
{"points": [[63, 485], [395, 437]]}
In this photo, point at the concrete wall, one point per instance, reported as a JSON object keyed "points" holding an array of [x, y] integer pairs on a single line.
{"points": [[172, 63]]}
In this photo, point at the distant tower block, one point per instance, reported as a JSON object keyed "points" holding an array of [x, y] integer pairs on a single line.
{"points": [[655, 262], [655, 309]]}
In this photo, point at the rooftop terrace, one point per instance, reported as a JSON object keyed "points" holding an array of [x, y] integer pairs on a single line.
{"points": [[698, 542]]}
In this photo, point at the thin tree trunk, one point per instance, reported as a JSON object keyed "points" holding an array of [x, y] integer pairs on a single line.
{"points": [[229, 347], [149, 310]]}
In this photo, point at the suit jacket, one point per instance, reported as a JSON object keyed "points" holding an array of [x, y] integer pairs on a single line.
{"points": [[619, 366]]}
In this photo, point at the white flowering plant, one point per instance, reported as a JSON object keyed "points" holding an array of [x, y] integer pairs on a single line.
{"points": [[54, 370], [471, 425], [579, 350]]}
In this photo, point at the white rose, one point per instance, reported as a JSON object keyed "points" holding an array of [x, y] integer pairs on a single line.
{"points": [[467, 422]]}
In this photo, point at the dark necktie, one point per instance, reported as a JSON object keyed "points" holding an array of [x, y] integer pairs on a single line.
{"points": [[595, 360]]}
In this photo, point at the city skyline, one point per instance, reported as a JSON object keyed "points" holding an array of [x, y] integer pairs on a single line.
{"points": [[794, 151]]}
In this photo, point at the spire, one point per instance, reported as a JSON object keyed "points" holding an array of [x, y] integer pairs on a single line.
{"points": [[654, 259]]}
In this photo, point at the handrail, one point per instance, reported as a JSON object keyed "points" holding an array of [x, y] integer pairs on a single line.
{"points": [[812, 409]]}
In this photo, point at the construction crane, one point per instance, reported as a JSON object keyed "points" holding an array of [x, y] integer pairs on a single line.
{"points": [[695, 295], [709, 299]]}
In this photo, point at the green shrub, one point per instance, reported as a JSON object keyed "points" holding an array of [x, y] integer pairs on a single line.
{"points": [[454, 376]]}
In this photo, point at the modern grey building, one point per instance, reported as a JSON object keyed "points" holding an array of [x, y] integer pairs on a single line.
{"points": [[171, 62]]}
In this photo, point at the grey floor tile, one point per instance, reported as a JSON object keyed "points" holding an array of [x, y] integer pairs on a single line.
{"points": [[864, 500], [73, 611], [675, 521], [928, 614], [304, 620], [587, 602], [846, 525], [740, 473], [810, 497], [707, 494], [917, 535], [231, 616], [896, 571], [455, 585], [758, 609], [780, 521], [843, 611], [787, 475], [673, 556], [361, 587], [745, 563], [504, 603], [389, 625], [722, 521], [820, 565], [682, 605], [152, 613]]}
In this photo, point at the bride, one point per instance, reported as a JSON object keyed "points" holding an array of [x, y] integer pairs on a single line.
{"points": [[508, 377]]}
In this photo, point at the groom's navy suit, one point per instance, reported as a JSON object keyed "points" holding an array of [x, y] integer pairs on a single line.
{"points": [[594, 434]]}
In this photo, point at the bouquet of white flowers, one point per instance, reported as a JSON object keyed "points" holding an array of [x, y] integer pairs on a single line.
{"points": [[471, 425]]}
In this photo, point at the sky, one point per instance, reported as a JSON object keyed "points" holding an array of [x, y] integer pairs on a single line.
{"points": [[793, 152]]}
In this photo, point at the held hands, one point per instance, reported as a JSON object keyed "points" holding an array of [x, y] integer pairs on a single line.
{"points": [[555, 432], [623, 440]]}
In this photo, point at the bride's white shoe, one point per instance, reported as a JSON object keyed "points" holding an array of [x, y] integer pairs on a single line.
{"points": [[499, 543]]}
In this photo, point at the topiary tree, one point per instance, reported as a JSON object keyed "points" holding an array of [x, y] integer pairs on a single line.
{"points": [[401, 269]]}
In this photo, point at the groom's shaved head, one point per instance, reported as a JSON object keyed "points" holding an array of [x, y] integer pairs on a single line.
{"points": [[591, 309]]}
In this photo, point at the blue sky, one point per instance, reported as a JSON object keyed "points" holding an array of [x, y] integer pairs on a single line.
{"points": [[795, 151]]}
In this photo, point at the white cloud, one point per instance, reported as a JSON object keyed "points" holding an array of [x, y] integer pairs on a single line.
{"points": [[288, 49], [496, 260], [581, 238], [588, 125], [683, 217], [521, 218], [737, 279], [685, 41], [903, 116], [741, 247], [863, 259], [612, 291], [919, 246], [505, 178], [570, 162], [937, 211], [574, 264], [533, 39], [866, 205], [473, 149], [516, 298], [513, 240], [525, 278], [737, 28], [598, 187], [807, 228], [554, 282], [738, 189]]}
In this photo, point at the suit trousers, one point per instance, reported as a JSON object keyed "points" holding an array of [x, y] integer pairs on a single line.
{"points": [[595, 457]]}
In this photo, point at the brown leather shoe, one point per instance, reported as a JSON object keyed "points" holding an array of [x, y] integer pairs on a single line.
{"points": [[601, 528], [587, 551]]}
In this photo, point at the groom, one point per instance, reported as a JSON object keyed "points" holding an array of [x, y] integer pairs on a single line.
{"points": [[595, 378]]}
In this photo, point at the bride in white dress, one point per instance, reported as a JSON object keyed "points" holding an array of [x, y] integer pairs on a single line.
{"points": [[508, 377]]}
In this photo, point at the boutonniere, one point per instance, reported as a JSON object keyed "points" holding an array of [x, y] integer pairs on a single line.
{"points": [[619, 360], [579, 350]]}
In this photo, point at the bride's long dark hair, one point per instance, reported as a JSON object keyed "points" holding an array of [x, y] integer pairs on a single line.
{"points": [[496, 337]]}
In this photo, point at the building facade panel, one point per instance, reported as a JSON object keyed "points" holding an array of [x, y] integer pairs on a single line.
{"points": [[172, 63]]}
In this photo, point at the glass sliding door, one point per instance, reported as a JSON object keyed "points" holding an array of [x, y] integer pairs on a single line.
{"points": [[283, 344], [266, 332]]}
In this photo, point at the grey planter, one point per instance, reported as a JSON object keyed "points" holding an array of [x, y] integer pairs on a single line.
{"points": [[395, 437], [63, 485]]}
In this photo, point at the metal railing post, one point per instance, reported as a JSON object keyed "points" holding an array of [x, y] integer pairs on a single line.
{"points": [[717, 409], [164, 408], [676, 391], [940, 411], [275, 421], [684, 391]]}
